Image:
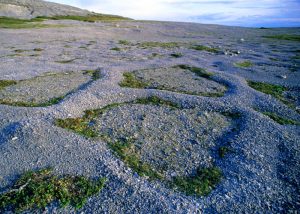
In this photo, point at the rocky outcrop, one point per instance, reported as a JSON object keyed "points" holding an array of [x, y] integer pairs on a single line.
{"points": [[27, 9]]}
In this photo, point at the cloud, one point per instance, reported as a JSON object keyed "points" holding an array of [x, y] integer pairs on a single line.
{"points": [[229, 12]]}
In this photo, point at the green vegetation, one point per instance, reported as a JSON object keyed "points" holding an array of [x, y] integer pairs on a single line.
{"points": [[84, 125], [131, 81], [36, 190], [95, 74], [280, 120], [244, 64], [223, 150], [124, 42], [6, 22], [154, 100], [116, 49], [66, 61], [276, 91], [130, 155], [204, 48], [176, 55], [5, 83], [295, 38], [200, 184], [50, 102], [38, 49], [89, 18], [158, 44], [201, 72]]}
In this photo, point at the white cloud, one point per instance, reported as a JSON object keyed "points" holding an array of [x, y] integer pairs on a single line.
{"points": [[189, 10]]}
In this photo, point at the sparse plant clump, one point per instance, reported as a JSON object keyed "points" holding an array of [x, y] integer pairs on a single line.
{"points": [[176, 55], [276, 91], [116, 49], [223, 150], [13, 23], [267, 88], [38, 49], [200, 184], [205, 48], [280, 120], [244, 64], [66, 61], [295, 38], [36, 190], [131, 81], [90, 18], [131, 157], [158, 44], [201, 72], [5, 83], [154, 100], [124, 42]]}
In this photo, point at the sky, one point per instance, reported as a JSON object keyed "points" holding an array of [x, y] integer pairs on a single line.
{"points": [[248, 13]]}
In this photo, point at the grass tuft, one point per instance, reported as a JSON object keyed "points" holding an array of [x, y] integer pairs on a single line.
{"points": [[129, 154], [204, 48], [66, 61], [201, 72], [36, 190], [116, 49], [131, 81], [176, 55], [13, 23], [154, 100], [124, 42], [158, 44], [200, 184], [244, 64]]}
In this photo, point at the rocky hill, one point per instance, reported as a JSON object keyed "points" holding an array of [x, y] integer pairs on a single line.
{"points": [[27, 9]]}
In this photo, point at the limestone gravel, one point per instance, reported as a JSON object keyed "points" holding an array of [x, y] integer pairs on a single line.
{"points": [[260, 176]]}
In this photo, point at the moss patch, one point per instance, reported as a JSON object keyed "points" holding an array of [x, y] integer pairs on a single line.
{"points": [[89, 18], [280, 120], [276, 91], [136, 79], [6, 22], [131, 81], [5, 83], [36, 190], [244, 64], [288, 37], [200, 184], [158, 44], [204, 48], [66, 61], [131, 157], [176, 55]]}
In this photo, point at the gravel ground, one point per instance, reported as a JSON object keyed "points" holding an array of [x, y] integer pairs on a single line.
{"points": [[260, 176], [178, 80], [44, 88]]}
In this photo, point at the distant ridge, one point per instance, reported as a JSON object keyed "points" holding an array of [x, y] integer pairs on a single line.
{"points": [[28, 9]]}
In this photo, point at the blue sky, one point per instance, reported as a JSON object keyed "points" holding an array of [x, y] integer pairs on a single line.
{"points": [[250, 13]]}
